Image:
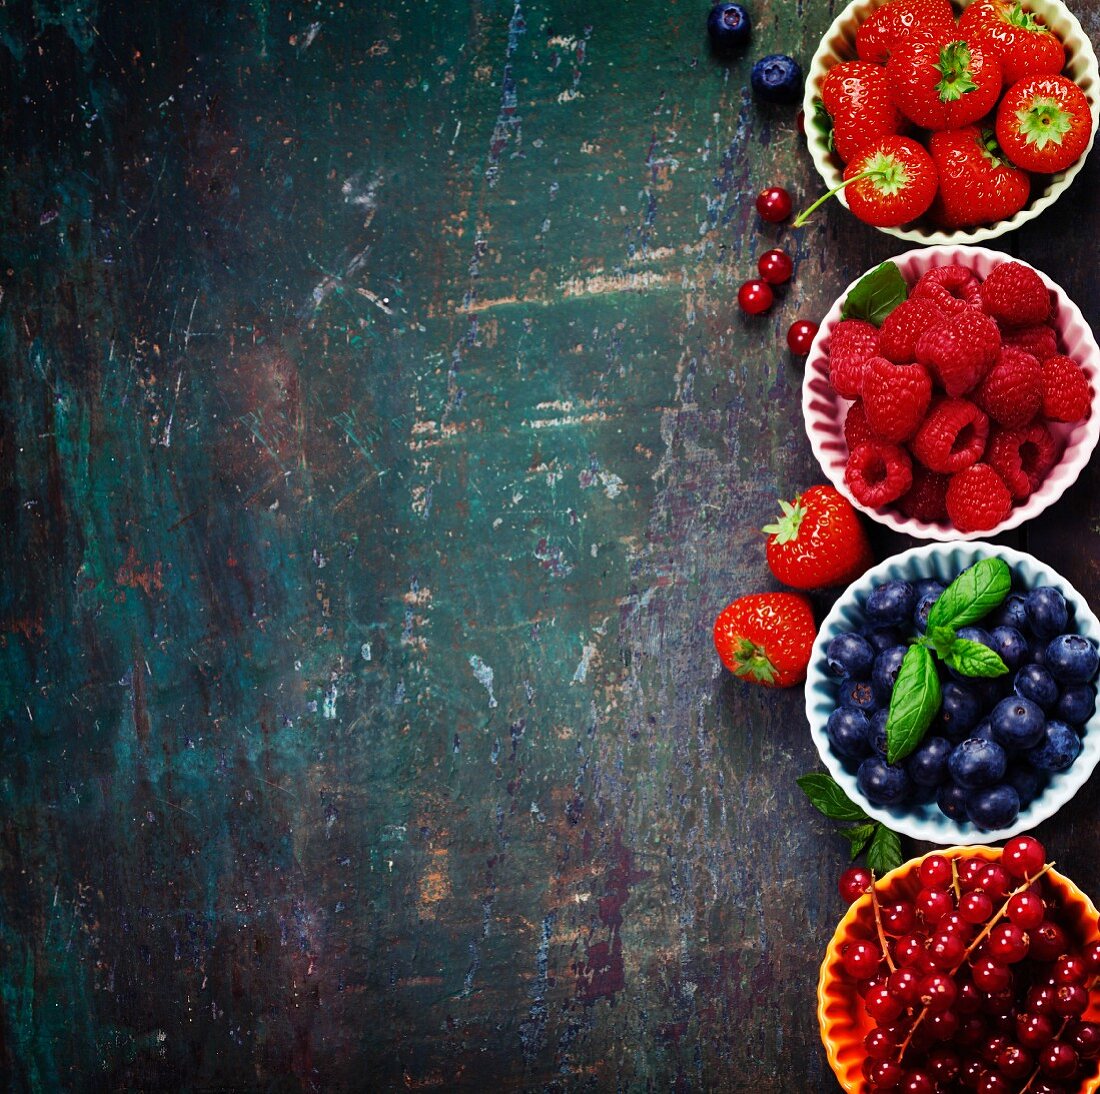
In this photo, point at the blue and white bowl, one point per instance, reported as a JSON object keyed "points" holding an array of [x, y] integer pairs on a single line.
{"points": [[944, 561]]}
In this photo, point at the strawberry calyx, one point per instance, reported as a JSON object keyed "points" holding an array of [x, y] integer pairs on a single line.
{"points": [[1017, 17], [991, 149], [956, 78], [1043, 121], [886, 171], [785, 529], [752, 662]]}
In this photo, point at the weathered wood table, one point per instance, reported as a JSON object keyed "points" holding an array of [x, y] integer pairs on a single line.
{"points": [[378, 440]]}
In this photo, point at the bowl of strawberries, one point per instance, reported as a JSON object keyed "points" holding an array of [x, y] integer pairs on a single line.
{"points": [[951, 124], [951, 393]]}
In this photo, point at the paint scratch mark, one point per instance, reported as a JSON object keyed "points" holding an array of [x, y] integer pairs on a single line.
{"points": [[508, 123], [484, 675], [581, 673]]}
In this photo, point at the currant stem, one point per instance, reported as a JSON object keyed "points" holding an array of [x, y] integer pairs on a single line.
{"points": [[1035, 1074], [805, 215], [878, 924]]}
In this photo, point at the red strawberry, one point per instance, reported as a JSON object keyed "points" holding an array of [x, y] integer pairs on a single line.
{"points": [[1023, 44], [926, 499], [857, 97], [977, 184], [977, 499], [766, 638], [950, 288], [890, 182], [878, 473], [902, 328], [1014, 294], [856, 429], [1044, 123], [1039, 340], [895, 398], [1022, 457], [818, 541], [1067, 396], [850, 344], [1012, 391], [895, 21], [943, 79], [952, 437], [961, 350]]}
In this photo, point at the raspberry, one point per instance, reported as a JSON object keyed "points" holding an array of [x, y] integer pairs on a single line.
{"points": [[856, 429], [1040, 341], [1014, 294], [949, 288], [878, 473], [897, 337], [1022, 457], [960, 351], [926, 499], [850, 344], [895, 398], [1012, 391], [952, 437], [977, 499], [1067, 396]]}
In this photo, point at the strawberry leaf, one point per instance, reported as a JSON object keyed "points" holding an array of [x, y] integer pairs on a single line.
{"points": [[913, 704], [876, 294]]}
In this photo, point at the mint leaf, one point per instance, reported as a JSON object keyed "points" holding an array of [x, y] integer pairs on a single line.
{"points": [[974, 659], [858, 836], [827, 798], [876, 294], [913, 704], [939, 639], [823, 124], [884, 854], [974, 593]]}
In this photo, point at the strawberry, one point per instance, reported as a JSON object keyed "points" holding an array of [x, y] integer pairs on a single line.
{"points": [[878, 473], [952, 437], [977, 184], [1038, 340], [1023, 44], [977, 499], [766, 638], [951, 288], [895, 21], [902, 328], [1067, 396], [943, 79], [960, 351], [817, 541], [926, 499], [1012, 391], [857, 98], [856, 429], [1022, 457], [895, 398], [890, 182], [1015, 295], [850, 344], [1044, 123]]}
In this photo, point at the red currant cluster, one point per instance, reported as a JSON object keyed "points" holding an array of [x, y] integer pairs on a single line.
{"points": [[975, 980]]}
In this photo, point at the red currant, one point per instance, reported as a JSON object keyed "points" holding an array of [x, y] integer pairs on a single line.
{"points": [[1040, 999], [972, 1031], [1027, 909], [992, 1083], [800, 336], [881, 1005], [879, 1044], [1023, 856], [969, 999], [938, 992], [1084, 1037], [800, 122], [1008, 943], [917, 1081], [1058, 1060], [975, 907], [899, 918], [935, 871], [774, 204], [969, 868], [1091, 956], [775, 266], [994, 881], [1069, 969], [854, 882], [1048, 941], [755, 297], [1015, 1062], [944, 1065], [946, 950], [1034, 1030], [943, 1025], [992, 1047], [990, 975], [1070, 1000], [934, 904]]}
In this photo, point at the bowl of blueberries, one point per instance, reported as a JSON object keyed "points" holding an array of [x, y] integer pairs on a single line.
{"points": [[951, 692]]}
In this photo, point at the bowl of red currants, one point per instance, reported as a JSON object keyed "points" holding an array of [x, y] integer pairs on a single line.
{"points": [[951, 692], [970, 968]]}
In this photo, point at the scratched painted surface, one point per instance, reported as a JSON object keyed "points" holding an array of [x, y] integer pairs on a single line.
{"points": [[378, 438]]}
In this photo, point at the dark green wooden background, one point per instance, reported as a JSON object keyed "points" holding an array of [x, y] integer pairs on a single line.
{"points": [[378, 439]]}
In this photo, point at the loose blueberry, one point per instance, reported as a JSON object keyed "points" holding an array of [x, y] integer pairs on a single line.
{"points": [[1046, 611], [951, 799], [1017, 723], [882, 783], [976, 763], [881, 638], [993, 807], [1058, 749], [885, 672], [1072, 659], [960, 709], [850, 655], [891, 604], [858, 693], [777, 78], [1011, 645], [927, 763], [1034, 682], [1011, 613], [920, 613], [1025, 780], [728, 26], [1076, 704], [848, 732]]}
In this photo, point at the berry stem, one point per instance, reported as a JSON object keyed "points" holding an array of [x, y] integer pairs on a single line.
{"points": [[955, 881], [878, 925], [994, 919], [805, 215], [1035, 1074]]}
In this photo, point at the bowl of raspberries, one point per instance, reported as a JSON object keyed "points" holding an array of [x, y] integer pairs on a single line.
{"points": [[970, 968], [951, 692], [947, 123], [950, 393]]}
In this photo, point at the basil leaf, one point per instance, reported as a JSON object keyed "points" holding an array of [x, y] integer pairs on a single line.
{"points": [[858, 836], [974, 593], [823, 124], [974, 659], [827, 797], [913, 704], [876, 294], [884, 854]]}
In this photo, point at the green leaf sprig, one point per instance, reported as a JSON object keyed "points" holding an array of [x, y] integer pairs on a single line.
{"points": [[916, 697], [876, 294], [882, 845]]}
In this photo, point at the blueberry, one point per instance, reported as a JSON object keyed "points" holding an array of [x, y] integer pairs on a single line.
{"points": [[927, 763], [928, 586], [1011, 613], [882, 638], [993, 807], [777, 78], [1046, 611], [728, 26], [1035, 683], [885, 672], [1037, 647], [847, 730], [1058, 749], [876, 732], [1072, 659], [960, 709], [976, 763], [1017, 723], [882, 783], [920, 613], [983, 731], [952, 801], [851, 656], [1025, 780], [858, 693], [1076, 704], [1011, 645], [891, 604]]}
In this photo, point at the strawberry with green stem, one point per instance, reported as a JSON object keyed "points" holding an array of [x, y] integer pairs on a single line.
{"points": [[766, 638], [1024, 46], [1044, 123], [978, 185]]}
